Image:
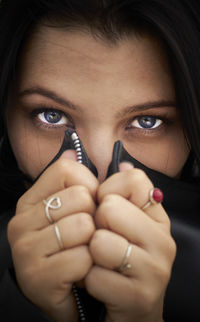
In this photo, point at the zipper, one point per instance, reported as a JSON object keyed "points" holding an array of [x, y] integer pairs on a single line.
{"points": [[80, 307], [77, 146]]}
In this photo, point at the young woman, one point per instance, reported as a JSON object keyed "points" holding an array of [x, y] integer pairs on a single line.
{"points": [[113, 85]]}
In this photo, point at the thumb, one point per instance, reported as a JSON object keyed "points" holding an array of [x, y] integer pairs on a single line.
{"points": [[69, 154], [125, 166]]}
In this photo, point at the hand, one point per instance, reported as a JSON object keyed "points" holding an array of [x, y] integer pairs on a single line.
{"points": [[137, 293], [44, 272]]}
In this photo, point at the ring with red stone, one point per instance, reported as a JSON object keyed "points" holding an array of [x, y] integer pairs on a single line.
{"points": [[155, 197]]}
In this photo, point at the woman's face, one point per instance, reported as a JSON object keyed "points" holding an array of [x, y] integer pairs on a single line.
{"points": [[106, 92]]}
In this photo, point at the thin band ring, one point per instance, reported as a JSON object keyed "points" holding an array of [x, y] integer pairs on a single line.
{"points": [[125, 264], [49, 205], [58, 236]]}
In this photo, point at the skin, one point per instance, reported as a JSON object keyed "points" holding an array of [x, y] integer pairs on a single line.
{"points": [[111, 86], [103, 81]]}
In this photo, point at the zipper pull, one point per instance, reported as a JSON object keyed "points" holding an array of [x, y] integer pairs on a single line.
{"points": [[71, 141], [119, 155], [80, 151], [77, 146]]}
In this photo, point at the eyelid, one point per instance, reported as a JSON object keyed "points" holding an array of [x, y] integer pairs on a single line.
{"points": [[42, 109]]}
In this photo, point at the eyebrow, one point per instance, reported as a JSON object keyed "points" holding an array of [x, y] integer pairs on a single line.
{"points": [[49, 94], [146, 106], [128, 110]]}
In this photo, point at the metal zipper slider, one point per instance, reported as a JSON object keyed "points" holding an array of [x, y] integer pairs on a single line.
{"points": [[77, 147]]}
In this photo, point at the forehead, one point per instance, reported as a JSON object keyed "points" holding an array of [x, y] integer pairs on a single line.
{"points": [[57, 58]]}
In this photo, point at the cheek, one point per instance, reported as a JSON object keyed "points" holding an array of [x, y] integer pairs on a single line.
{"points": [[32, 151], [167, 155]]}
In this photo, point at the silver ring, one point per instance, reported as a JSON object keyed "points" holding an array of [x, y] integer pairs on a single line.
{"points": [[125, 264], [49, 205], [57, 231], [155, 197]]}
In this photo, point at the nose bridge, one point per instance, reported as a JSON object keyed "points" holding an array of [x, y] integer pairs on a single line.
{"points": [[98, 144]]}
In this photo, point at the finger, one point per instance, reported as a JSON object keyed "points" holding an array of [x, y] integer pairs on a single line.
{"points": [[109, 251], [73, 200], [129, 184], [125, 166], [135, 186], [125, 293], [59, 269], [110, 287], [72, 264], [74, 231], [122, 217], [60, 175]]}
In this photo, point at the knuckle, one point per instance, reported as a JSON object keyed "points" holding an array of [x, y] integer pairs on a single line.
{"points": [[161, 271], [23, 246], [98, 242], [86, 224], [90, 280], [14, 227], [80, 190], [108, 202], [11, 229], [169, 247], [108, 199], [86, 262], [20, 203], [172, 249], [137, 176], [85, 198], [62, 168], [108, 207], [166, 221]]}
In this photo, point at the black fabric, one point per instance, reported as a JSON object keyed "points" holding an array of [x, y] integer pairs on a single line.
{"points": [[68, 144], [181, 201], [14, 306]]}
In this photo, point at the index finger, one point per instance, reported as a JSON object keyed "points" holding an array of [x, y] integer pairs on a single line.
{"points": [[135, 186], [132, 184], [60, 175]]}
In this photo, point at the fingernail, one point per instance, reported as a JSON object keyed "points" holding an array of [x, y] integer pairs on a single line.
{"points": [[125, 166], [69, 154]]}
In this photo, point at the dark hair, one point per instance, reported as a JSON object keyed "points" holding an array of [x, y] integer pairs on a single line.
{"points": [[177, 23]]}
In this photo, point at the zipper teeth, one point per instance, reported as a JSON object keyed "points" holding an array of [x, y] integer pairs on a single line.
{"points": [[81, 312], [77, 147]]}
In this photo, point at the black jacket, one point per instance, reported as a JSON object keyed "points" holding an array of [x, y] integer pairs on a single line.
{"points": [[181, 202]]}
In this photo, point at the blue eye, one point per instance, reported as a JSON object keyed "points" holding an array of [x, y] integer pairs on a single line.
{"points": [[52, 117], [146, 122]]}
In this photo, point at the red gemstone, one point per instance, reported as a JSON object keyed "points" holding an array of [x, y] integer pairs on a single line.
{"points": [[157, 195]]}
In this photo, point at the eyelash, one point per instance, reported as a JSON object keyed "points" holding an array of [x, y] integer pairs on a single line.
{"points": [[34, 115], [163, 119]]}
